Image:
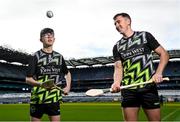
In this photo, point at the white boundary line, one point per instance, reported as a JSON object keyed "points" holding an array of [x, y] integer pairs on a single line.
{"points": [[170, 114]]}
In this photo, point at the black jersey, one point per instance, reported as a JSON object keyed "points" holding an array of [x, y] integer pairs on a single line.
{"points": [[135, 53], [46, 66]]}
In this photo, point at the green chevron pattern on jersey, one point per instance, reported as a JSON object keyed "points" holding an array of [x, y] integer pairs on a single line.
{"points": [[41, 95], [137, 70]]}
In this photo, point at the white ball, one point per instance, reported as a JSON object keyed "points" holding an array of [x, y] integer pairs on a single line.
{"points": [[49, 14]]}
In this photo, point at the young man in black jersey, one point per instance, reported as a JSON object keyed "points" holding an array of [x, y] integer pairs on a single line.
{"points": [[47, 64], [133, 64]]}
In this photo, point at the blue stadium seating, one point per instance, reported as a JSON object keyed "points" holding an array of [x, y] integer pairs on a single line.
{"points": [[85, 78]]}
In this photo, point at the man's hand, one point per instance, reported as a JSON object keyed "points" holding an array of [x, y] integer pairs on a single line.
{"points": [[115, 87], [157, 78], [66, 90]]}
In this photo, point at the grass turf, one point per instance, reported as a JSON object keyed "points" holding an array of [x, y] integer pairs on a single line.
{"points": [[86, 112]]}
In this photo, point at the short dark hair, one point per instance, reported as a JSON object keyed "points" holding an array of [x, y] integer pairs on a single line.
{"points": [[45, 31], [123, 15]]}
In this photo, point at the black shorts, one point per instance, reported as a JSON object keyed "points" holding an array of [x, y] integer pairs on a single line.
{"points": [[51, 109], [143, 97]]}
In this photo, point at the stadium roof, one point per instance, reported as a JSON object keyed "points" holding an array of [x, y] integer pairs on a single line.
{"points": [[90, 61], [11, 56]]}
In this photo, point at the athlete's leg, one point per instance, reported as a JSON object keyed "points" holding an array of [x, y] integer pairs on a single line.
{"points": [[131, 113], [53, 111], [54, 118], [151, 104], [130, 104], [36, 112], [153, 114], [34, 119]]}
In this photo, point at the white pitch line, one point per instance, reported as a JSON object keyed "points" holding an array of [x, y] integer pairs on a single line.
{"points": [[170, 114]]}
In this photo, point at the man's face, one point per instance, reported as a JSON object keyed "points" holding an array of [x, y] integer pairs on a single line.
{"points": [[48, 39], [121, 24]]}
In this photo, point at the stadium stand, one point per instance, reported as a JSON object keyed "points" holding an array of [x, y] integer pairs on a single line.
{"points": [[86, 73]]}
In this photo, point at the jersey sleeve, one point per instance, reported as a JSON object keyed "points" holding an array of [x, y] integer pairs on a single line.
{"points": [[151, 41], [32, 66], [116, 54], [64, 66]]}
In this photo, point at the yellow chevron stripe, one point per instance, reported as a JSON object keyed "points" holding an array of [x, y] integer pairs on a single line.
{"points": [[126, 64], [135, 67]]}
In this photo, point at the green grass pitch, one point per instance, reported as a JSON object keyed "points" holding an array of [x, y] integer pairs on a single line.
{"points": [[86, 112]]}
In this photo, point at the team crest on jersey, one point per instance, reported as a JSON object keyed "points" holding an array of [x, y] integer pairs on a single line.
{"points": [[32, 109]]}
